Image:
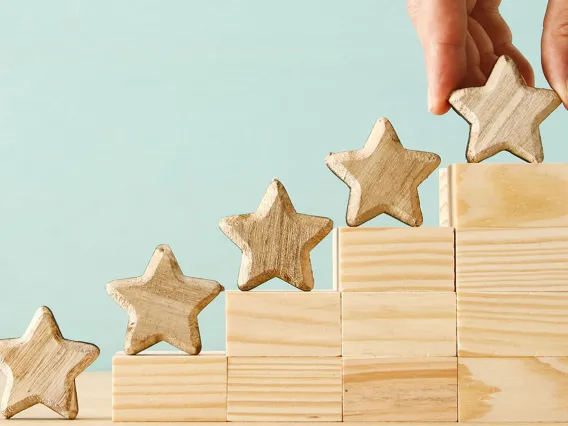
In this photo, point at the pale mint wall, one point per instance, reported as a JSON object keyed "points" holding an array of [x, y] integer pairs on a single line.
{"points": [[126, 124]]}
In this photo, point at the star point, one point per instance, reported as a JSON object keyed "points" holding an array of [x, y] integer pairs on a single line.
{"points": [[276, 241], [41, 367], [383, 177], [163, 304], [505, 114]]}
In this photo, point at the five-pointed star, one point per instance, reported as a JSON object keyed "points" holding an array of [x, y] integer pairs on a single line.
{"points": [[41, 367], [163, 304], [383, 177], [276, 241], [504, 114]]}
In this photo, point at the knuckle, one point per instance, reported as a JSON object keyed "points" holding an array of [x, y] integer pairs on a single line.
{"points": [[556, 22], [560, 29]]}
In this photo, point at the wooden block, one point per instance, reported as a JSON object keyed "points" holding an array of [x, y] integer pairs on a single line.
{"points": [[508, 195], [276, 241], [168, 387], [399, 324], [41, 368], [278, 323], [522, 259], [504, 114], [444, 196], [95, 400], [400, 389], [395, 259], [513, 389], [383, 177], [512, 324], [285, 389]]}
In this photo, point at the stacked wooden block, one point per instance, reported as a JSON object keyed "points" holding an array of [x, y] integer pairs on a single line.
{"points": [[511, 225], [465, 322], [399, 323], [282, 364]]}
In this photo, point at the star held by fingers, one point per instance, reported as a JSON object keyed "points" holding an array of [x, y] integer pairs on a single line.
{"points": [[505, 114], [383, 177], [276, 241], [163, 304], [41, 367]]}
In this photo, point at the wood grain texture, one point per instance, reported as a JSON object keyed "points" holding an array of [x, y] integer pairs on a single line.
{"points": [[513, 389], [41, 368], [94, 397], [508, 195], [444, 198], [283, 324], [505, 114], [399, 324], [512, 324], [383, 177], [285, 389], [162, 386], [163, 304], [521, 259], [395, 259], [276, 241], [93, 389], [400, 389]]}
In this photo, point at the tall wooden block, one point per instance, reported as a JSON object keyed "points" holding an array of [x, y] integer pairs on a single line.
{"points": [[513, 389], [283, 323], [169, 386], [508, 195], [414, 390], [399, 324], [444, 196], [285, 389], [521, 259], [394, 259], [512, 324]]}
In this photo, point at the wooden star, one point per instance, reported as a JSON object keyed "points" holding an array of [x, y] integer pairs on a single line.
{"points": [[163, 304], [383, 177], [504, 114], [41, 368], [276, 241]]}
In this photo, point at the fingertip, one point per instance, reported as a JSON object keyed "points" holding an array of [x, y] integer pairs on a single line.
{"points": [[529, 77], [526, 70], [439, 107], [556, 71]]}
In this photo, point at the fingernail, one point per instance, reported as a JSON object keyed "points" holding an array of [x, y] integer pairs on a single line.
{"points": [[430, 106]]}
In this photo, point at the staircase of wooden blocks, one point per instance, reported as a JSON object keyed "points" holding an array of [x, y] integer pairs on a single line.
{"points": [[465, 322]]}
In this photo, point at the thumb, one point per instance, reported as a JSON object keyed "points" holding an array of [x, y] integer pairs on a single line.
{"points": [[555, 47]]}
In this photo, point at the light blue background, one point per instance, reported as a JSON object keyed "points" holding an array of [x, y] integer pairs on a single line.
{"points": [[124, 125]]}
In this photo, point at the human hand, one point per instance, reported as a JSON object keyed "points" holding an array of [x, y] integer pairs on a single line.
{"points": [[462, 40]]}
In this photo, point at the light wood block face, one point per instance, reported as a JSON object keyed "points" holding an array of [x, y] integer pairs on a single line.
{"points": [[162, 386], [513, 389], [285, 389], [399, 324], [508, 195], [444, 195], [523, 259], [283, 324], [400, 389], [512, 324], [395, 259]]}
